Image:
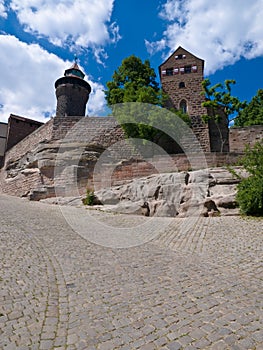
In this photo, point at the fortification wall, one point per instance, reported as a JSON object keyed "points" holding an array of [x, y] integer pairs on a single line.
{"points": [[249, 135], [19, 178], [96, 130], [30, 142], [131, 169]]}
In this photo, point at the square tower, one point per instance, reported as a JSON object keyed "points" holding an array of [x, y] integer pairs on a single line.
{"points": [[181, 76]]}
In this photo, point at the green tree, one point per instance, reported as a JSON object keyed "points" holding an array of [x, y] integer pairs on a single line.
{"points": [[250, 189], [135, 81], [222, 106], [252, 114]]}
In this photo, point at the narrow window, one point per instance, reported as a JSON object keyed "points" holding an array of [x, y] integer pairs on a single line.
{"points": [[187, 69], [181, 85], [183, 106], [169, 71]]}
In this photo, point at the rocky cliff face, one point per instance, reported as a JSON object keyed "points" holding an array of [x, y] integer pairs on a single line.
{"points": [[205, 192]]}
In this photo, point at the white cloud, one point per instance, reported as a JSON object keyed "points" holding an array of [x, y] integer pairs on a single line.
{"points": [[155, 46], [2, 9], [82, 23], [221, 32], [97, 104], [28, 73]]}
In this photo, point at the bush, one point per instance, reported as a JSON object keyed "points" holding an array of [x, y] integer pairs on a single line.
{"points": [[90, 197], [250, 190], [250, 196]]}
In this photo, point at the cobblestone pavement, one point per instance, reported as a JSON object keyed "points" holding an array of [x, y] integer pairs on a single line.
{"points": [[198, 288]]}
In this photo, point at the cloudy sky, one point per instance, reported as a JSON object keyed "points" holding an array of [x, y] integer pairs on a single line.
{"points": [[39, 38]]}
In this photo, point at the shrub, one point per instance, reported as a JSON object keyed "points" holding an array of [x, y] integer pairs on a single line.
{"points": [[90, 197], [250, 196], [250, 190]]}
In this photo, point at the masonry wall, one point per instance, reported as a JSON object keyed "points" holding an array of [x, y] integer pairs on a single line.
{"points": [[103, 133], [44, 133], [19, 128], [133, 168], [239, 137], [96, 130]]}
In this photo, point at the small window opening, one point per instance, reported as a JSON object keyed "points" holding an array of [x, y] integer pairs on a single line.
{"points": [[187, 69], [183, 106], [169, 71], [181, 85]]}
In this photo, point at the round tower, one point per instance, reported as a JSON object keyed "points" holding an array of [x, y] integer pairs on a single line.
{"points": [[72, 92]]}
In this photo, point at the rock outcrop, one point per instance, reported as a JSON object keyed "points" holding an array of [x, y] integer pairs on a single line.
{"points": [[205, 192]]}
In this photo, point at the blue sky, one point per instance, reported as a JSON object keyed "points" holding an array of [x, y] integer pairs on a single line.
{"points": [[38, 40]]}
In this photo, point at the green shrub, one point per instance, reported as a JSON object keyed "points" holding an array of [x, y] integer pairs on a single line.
{"points": [[250, 190], [250, 196], [90, 197]]}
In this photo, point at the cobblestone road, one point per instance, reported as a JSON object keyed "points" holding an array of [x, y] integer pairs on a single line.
{"points": [[198, 288]]}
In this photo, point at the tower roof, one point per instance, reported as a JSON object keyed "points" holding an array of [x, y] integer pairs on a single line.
{"points": [[74, 71]]}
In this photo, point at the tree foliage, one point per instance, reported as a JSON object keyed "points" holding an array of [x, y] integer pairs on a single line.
{"points": [[135, 81], [250, 190], [252, 114], [222, 106], [219, 97]]}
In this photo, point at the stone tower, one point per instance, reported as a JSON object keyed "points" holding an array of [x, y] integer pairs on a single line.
{"points": [[72, 92], [181, 76]]}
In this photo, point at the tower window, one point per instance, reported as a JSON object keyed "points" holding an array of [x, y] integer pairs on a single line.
{"points": [[169, 71], [183, 106], [181, 85], [179, 57], [187, 69]]}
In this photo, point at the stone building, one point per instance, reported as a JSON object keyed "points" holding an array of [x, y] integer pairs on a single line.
{"points": [[181, 77]]}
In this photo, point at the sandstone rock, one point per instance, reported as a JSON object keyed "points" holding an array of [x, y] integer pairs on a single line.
{"points": [[203, 192]]}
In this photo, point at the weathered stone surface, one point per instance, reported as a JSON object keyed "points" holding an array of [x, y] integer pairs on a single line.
{"points": [[207, 192]]}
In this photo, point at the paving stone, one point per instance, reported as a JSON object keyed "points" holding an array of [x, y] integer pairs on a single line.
{"points": [[190, 288], [174, 346]]}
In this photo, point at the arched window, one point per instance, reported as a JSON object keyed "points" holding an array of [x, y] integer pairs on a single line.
{"points": [[183, 106], [181, 85]]}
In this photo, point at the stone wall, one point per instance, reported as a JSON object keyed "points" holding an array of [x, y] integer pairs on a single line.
{"points": [[249, 135], [24, 182], [128, 170], [30, 164], [19, 128], [44, 133], [96, 130]]}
